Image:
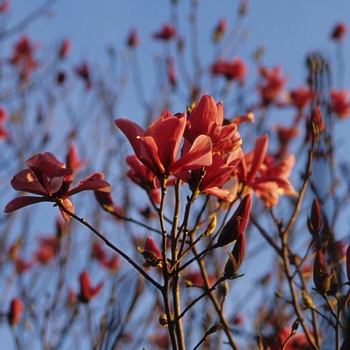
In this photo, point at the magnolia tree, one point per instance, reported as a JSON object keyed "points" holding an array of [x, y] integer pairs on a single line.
{"points": [[206, 227]]}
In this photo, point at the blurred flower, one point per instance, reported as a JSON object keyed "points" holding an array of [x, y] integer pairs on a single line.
{"points": [[143, 177], [195, 279], [220, 29], [72, 298], [249, 117], [22, 265], [339, 31], [285, 135], [167, 32], [315, 124], [272, 84], [232, 70], [158, 146], [152, 255], [83, 71], [87, 292], [23, 57], [15, 312], [133, 39], [5, 6], [261, 174], [50, 179], [340, 103], [72, 159], [172, 76], [99, 253], [65, 48], [207, 118], [300, 98], [48, 249], [3, 118], [61, 77]]}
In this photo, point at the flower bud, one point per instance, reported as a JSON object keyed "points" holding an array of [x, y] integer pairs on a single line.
{"points": [[15, 312], [314, 222], [237, 224], [322, 278], [163, 320], [152, 255], [235, 258]]}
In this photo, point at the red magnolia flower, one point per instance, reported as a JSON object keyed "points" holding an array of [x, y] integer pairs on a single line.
{"points": [[15, 312], [65, 48], [272, 84], [167, 32], [87, 292], [315, 220], [232, 70], [262, 175], [220, 29], [23, 56], [301, 97], [50, 179], [133, 39], [340, 103], [207, 119], [158, 146], [339, 31], [216, 175]]}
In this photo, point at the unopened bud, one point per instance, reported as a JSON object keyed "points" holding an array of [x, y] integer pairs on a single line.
{"points": [[211, 227], [237, 224], [307, 300], [214, 328], [314, 222], [163, 320], [322, 278], [295, 326], [235, 258]]}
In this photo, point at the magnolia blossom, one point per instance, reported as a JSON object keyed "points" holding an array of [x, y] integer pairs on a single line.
{"points": [[15, 312], [166, 33], [87, 292], [236, 69], [51, 180], [340, 102], [158, 146], [260, 173], [207, 118]]}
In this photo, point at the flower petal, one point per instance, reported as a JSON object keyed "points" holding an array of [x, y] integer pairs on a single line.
{"points": [[21, 202]]}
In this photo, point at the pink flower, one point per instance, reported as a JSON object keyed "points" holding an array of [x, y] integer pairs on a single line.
{"points": [[23, 57], [15, 312], [158, 146], [207, 118], [87, 292], [301, 97], [48, 249], [272, 84], [340, 103], [49, 178], [167, 32], [232, 70], [216, 175], [263, 176]]}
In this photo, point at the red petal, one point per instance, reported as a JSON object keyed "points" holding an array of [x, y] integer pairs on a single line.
{"points": [[21, 202], [260, 150]]}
